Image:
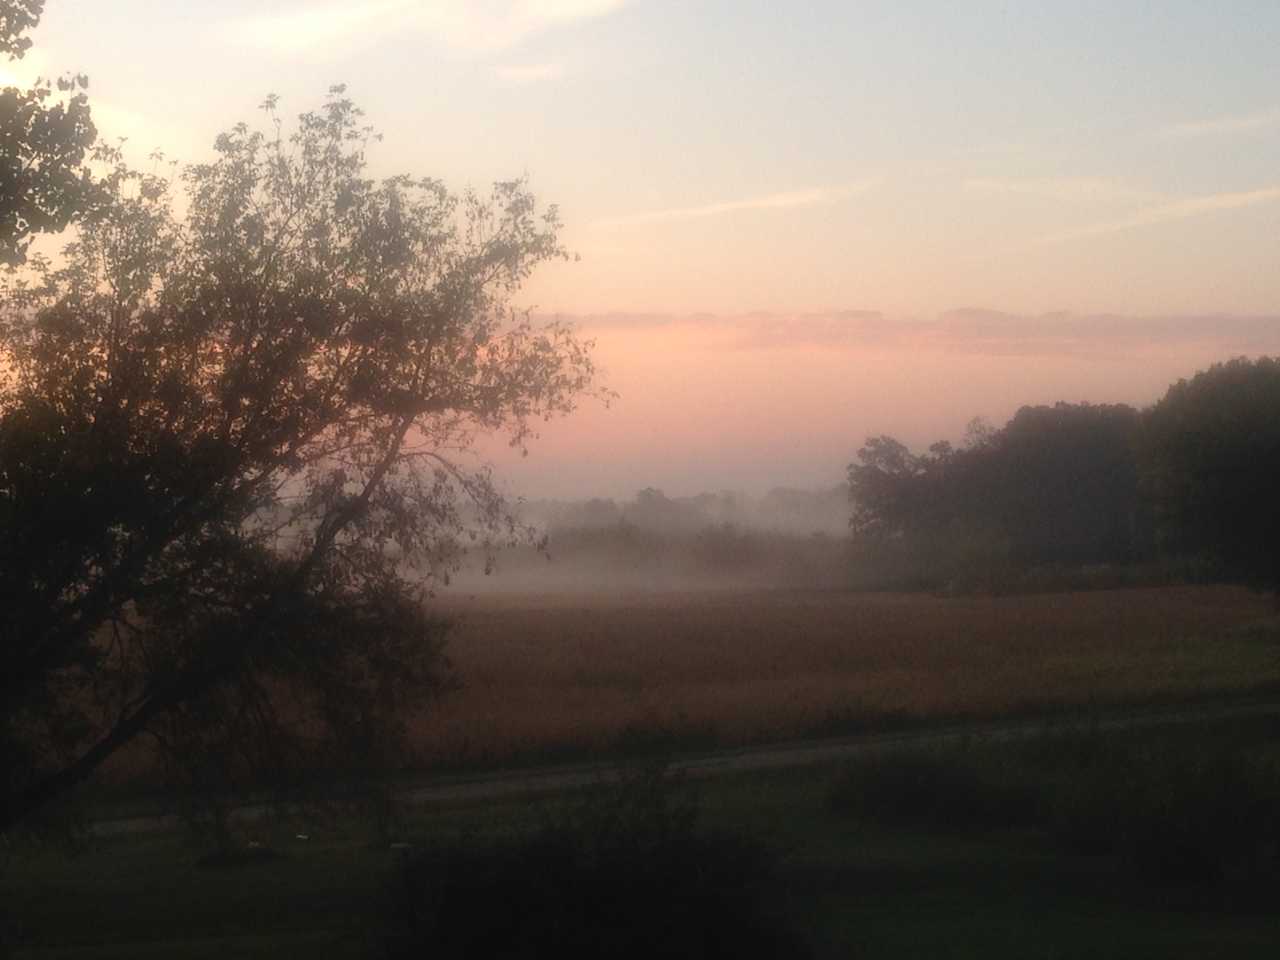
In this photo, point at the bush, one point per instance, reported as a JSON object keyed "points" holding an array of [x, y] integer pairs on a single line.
{"points": [[934, 790], [1192, 816], [625, 874], [1196, 815]]}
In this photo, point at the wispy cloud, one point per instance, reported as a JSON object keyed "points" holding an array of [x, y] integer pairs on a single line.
{"points": [[1222, 126], [972, 331], [1069, 189], [520, 74], [995, 333], [327, 28], [818, 196], [1169, 212]]}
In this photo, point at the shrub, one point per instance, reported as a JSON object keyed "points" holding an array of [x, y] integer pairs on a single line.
{"points": [[934, 790], [1199, 816], [625, 874]]}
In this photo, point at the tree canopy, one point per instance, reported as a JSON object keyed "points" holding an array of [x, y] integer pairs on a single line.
{"points": [[1212, 449], [233, 448], [1190, 481], [1056, 484], [44, 142]]}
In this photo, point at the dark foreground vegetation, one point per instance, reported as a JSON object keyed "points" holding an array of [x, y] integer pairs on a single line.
{"points": [[1121, 844], [1192, 818], [626, 871]]}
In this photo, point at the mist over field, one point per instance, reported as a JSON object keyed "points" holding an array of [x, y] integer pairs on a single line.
{"points": [[788, 537]]}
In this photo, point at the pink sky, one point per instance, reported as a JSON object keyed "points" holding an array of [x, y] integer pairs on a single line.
{"points": [[751, 402]]}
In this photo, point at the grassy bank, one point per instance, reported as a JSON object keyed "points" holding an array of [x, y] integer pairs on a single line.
{"points": [[965, 852]]}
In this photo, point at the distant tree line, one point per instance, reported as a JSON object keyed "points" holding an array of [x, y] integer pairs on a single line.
{"points": [[651, 510], [1192, 480]]}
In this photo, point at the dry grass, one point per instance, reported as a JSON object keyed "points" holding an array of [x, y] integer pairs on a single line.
{"points": [[544, 674]]}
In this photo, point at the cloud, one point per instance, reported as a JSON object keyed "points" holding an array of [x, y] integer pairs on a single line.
{"points": [[520, 74], [818, 196], [331, 28], [1221, 126], [993, 333], [966, 331], [1169, 212], [839, 329], [1067, 189]]}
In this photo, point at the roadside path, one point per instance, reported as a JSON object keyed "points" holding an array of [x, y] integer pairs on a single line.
{"points": [[526, 781]]}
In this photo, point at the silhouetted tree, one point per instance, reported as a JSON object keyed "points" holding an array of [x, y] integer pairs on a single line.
{"points": [[230, 451], [885, 488], [1055, 485], [895, 492], [1062, 483], [1212, 453], [44, 183], [653, 511]]}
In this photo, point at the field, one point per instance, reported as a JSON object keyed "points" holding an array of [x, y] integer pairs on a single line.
{"points": [[978, 848], [570, 675]]}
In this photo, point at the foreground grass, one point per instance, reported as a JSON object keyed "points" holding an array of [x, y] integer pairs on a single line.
{"points": [[574, 675], [858, 877]]}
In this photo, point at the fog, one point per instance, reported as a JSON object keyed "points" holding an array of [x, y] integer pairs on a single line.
{"points": [[788, 537]]}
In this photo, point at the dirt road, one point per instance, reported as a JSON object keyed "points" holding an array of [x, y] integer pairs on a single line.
{"points": [[542, 780]]}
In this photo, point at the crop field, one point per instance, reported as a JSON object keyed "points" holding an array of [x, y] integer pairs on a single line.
{"points": [[547, 676]]}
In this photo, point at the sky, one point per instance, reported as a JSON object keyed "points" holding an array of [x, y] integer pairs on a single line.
{"points": [[798, 224]]}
